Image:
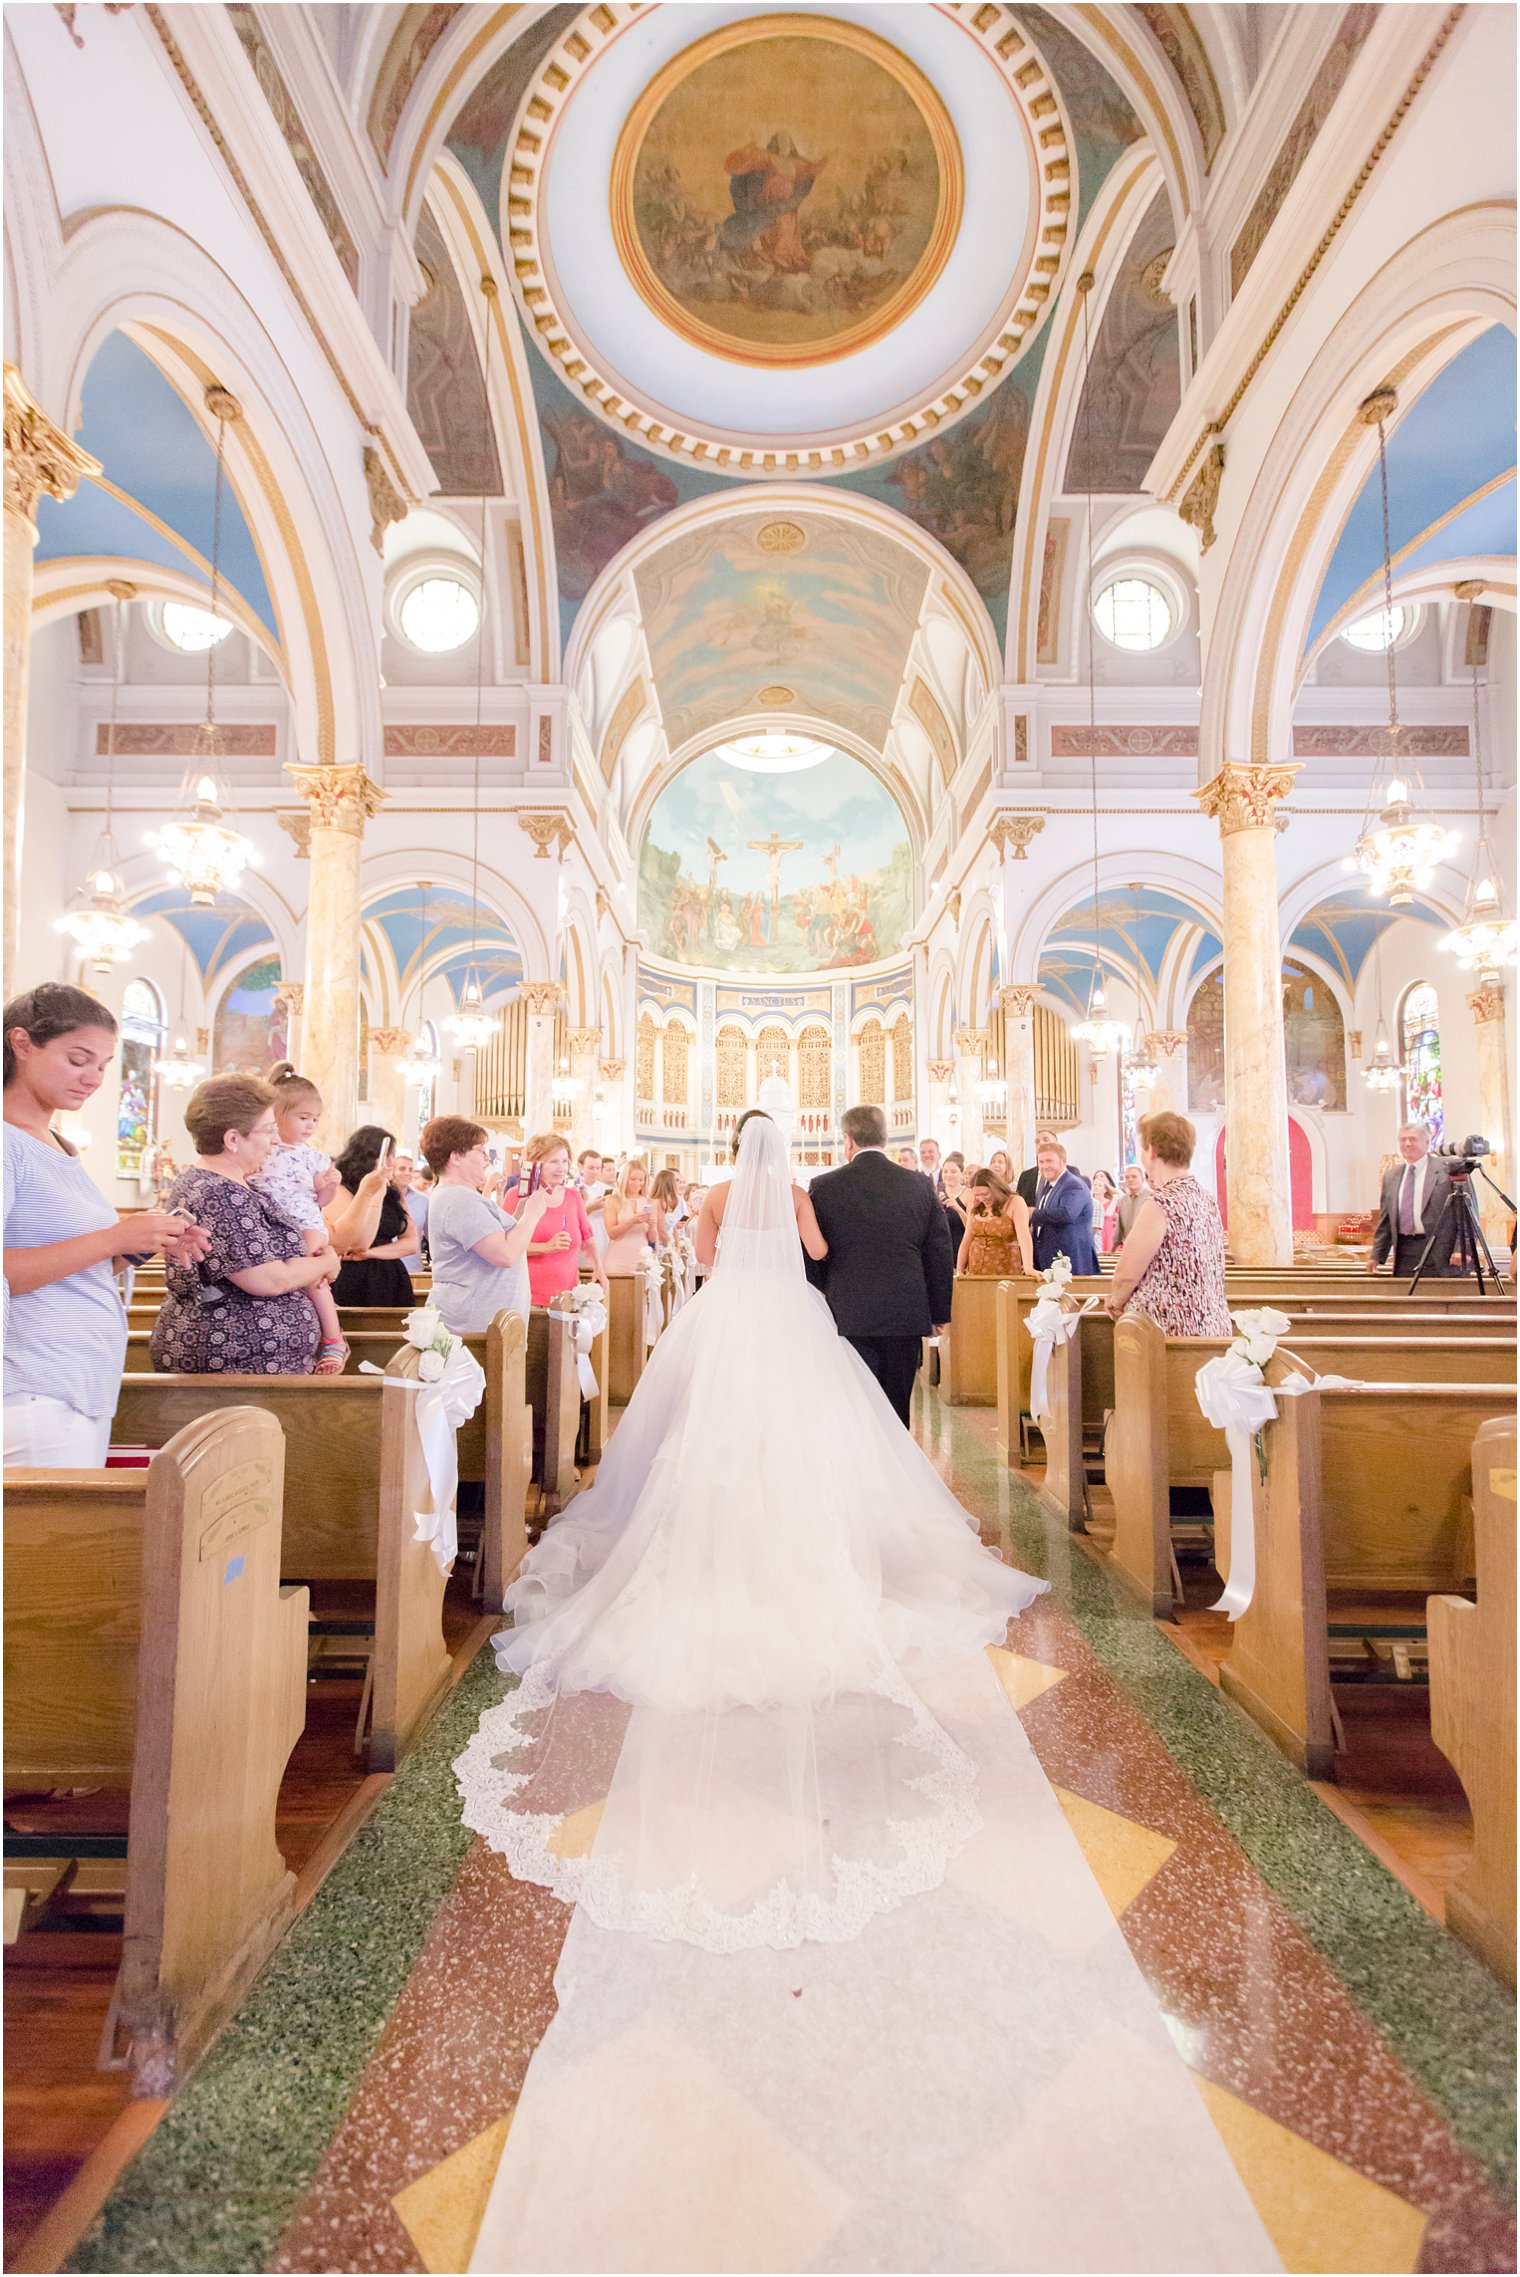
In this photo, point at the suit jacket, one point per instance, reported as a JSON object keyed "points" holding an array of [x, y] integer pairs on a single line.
{"points": [[890, 1268], [1064, 1224], [1027, 1184], [1125, 1215], [1437, 1192]]}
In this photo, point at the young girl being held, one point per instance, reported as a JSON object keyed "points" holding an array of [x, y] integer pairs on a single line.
{"points": [[300, 1180]]}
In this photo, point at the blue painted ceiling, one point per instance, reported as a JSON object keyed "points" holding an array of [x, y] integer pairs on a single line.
{"points": [[150, 446], [1342, 932], [228, 933], [421, 931], [1455, 439]]}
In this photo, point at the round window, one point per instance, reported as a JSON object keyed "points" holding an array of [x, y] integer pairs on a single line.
{"points": [[1384, 629], [193, 630], [438, 615], [1134, 614]]}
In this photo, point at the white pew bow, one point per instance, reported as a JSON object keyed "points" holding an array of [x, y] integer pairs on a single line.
{"points": [[445, 1399], [1049, 1324], [1235, 1397], [590, 1320]]}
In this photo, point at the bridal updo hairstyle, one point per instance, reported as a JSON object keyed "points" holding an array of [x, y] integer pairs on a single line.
{"points": [[750, 1115]]}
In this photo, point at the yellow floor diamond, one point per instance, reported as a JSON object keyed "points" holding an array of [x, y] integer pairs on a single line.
{"points": [[1122, 1855], [1023, 1680], [441, 2212], [574, 1835], [1322, 2214]]}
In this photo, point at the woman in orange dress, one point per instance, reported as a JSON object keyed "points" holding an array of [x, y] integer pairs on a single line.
{"points": [[989, 1247]]}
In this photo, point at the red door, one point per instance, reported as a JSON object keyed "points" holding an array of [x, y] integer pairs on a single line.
{"points": [[1300, 1175]]}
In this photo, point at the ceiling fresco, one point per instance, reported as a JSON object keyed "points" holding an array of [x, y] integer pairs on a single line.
{"points": [[445, 392], [1135, 384], [743, 872], [439, 929], [225, 934], [1343, 932], [788, 613]]}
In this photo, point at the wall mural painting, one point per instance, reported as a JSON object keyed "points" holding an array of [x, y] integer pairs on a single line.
{"points": [[601, 494], [1205, 1048], [445, 392], [786, 190], [1314, 1044], [808, 872], [1135, 385], [823, 610], [252, 1024]]}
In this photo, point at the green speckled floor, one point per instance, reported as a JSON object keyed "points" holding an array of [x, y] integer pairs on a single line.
{"points": [[1345, 2035]]}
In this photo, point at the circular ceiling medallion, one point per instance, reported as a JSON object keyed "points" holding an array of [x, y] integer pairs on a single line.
{"points": [[786, 190], [781, 278], [780, 537], [775, 696]]}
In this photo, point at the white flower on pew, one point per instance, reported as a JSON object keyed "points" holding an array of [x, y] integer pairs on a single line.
{"points": [[431, 1366], [1257, 1333], [1057, 1274], [423, 1327]]}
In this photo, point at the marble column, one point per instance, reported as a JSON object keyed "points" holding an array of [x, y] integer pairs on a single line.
{"points": [[40, 460], [1243, 800], [1168, 1094], [341, 800], [1486, 1004], [1018, 1052], [542, 999], [387, 1091], [970, 1050], [942, 1120], [584, 1046]]}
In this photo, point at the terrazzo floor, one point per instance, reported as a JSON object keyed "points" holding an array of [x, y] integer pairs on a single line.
{"points": [[1357, 2061]]}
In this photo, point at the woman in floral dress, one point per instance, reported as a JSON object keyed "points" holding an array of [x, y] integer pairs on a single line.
{"points": [[244, 1308], [1171, 1267]]}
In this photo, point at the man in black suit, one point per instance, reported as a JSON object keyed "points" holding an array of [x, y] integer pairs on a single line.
{"points": [[1028, 1184], [890, 1268], [1415, 1194]]}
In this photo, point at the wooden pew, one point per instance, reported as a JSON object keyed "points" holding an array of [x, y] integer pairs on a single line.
{"points": [[1472, 1704], [968, 1356], [354, 1481], [1158, 1437], [1364, 1515], [1297, 1292], [1080, 1381], [149, 1643], [626, 1349]]}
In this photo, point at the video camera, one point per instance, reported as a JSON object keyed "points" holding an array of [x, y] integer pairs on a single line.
{"points": [[1462, 1156]]}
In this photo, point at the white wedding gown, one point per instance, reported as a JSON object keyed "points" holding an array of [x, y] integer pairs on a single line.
{"points": [[717, 1737]]}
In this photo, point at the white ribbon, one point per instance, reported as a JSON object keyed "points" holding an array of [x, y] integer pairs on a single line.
{"points": [[589, 1321], [1236, 1399], [451, 1399], [1049, 1324], [653, 1317]]}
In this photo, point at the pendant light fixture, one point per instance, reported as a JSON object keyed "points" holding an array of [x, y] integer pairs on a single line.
{"points": [[201, 850], [472, 1026], [1399, 851], [1382, 1072], [101, 926], [1485, 941], [1098, 1031], [178, 1069], [421, 1067], [1141, 1067]]}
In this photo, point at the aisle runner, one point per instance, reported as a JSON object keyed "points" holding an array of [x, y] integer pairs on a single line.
{"points": [[982, 2081]]}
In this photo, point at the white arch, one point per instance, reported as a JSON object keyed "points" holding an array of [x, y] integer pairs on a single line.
{"points": [[1190, 881], [407, 866]]}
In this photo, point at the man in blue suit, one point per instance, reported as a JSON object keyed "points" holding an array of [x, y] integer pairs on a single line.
{"points": [[1060, 1221]]}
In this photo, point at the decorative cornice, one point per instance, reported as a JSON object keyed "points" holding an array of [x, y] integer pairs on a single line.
{"points": [[178, 739], [996, 29], [1012, 834], [1487, 1002], [1245, 797], [340, 798], [493, 740], [40, 459], [1018, 1001], [1202, 496], [542, 997], [386, 504], [298, 142], [548, 830], [296, 824]]}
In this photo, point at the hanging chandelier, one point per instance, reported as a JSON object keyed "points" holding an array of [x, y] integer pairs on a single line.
{"points": [[1485, 941], [421, 1067], [201, 850], [1141, 1068], [1382, 1072], [1400, 850], [470, 1025], [992, 1092], [565, 1089], [1099, 1031], [101, 927], [178, 1069]]}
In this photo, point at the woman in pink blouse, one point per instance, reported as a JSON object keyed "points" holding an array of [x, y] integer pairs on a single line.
{"points": [[562, 1239]]}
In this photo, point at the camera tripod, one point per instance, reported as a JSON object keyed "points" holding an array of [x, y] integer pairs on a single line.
{"points": [[1466, 1235]]}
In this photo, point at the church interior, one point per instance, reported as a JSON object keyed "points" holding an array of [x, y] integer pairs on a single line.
{"points": [[564, 564]]}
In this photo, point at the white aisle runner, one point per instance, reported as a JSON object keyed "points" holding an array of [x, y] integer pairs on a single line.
{"points": [[981, 2081]]}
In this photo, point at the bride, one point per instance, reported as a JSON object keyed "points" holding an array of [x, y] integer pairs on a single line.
{"points": [[717, 1736]]}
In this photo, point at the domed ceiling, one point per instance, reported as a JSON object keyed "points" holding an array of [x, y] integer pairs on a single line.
{"points": [[748, 245]]}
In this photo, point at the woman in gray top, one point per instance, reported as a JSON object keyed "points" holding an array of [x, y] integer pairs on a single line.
{"points": [[65, 1331], [479, 1254]]}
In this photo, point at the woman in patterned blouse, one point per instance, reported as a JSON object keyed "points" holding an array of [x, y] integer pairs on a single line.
{"points": [[1171, 1267], [245, 1308]]}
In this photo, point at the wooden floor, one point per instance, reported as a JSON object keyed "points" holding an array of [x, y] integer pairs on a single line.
{"points": [[58, 1979]]}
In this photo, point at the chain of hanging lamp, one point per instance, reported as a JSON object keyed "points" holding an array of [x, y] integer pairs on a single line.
{"points": [[1399, 852], [1485, 941], [1098, 1031], [201, 850], [178, 1069], [471, 1025], [101, 926], [422, 1066], [1382, 1072]]}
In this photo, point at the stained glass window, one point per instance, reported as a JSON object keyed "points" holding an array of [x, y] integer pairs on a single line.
{"points": [[1420, 1036], [142, 1036]]}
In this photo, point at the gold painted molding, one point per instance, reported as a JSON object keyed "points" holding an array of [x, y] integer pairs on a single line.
{"points": [[40, 459], [1245, 797]]}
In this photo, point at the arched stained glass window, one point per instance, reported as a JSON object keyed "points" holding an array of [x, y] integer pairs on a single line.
{"points": [[142, 1038], [1420, 1050]]}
